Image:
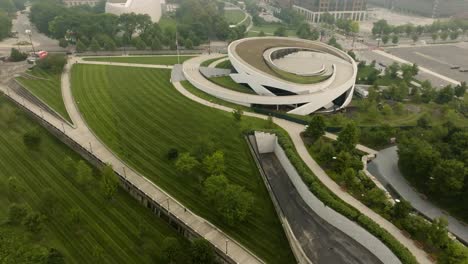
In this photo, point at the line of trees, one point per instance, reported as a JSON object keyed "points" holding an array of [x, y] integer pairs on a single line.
{"points": [[197, 22], [8, 9], [438, 30]]}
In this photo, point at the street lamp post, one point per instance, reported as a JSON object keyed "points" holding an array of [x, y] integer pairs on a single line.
{"points": [[29, 33]]}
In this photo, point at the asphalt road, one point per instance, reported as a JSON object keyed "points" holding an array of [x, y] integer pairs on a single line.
{"points": [[385, 169], [321, 242], [40, 41]]}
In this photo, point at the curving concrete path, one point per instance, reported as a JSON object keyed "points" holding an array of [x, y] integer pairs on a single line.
{"points": [[294, 130], [83, 135], [385, 168]]}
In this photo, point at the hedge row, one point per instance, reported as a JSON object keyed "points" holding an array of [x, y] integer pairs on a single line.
{"points": [[334, 202]]}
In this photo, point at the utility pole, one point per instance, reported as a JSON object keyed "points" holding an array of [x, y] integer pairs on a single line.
{"points": [[29, 33]]}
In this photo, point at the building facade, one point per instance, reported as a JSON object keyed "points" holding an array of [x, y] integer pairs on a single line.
{"points": [[341, 9]]}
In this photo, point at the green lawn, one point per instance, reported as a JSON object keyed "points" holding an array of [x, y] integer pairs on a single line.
{"points": [[141, 119], [224, 65], [109, 227], [229, 83], [162, 60], [48, 90], [234, 16], [208, 62]]}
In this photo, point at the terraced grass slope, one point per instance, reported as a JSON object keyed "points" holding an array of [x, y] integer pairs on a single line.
{"points": [[108, 231], [139, 115], [163, 60], [229, 83], [48, 89]]}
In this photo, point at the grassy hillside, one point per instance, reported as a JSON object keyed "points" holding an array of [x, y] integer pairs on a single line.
{"points": [[103, 231], [234, 16], [142, 118], [47, 89]]}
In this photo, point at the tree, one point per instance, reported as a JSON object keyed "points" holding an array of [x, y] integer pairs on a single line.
{"points": [[215, 187], [5, 25], [214, 164], [261, 33], [434, 36], [53, 63], [304, 31], [375, 198], [445, 95], [69, 167], [387, 110], [188, 44], [345, 160], [460, 90], [424, 121], [16, 213], [444, 35], [237, 113], [110, 182], [170, 250], [63, 43], [32, 139], [395, 39], [348, 137], [33, 222], [95, 47], [438, 233], [201, 252], [381, 27], [172, 154], [140, 44], [186, 163], [16, 55], [401, 209], [109, 44], [14, 189], [236, 204], [455, 253], [316, 127], [385, 39], [84, 173], [447, 177], [80, 46], [415, 38], [350, 179], [156, 44], [453, 35], [280, 32]]}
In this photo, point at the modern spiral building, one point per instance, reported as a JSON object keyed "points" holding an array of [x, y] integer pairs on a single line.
{"points": [[296, 75]]}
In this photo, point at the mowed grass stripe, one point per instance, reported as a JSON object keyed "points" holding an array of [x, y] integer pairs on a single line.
{"points": [[147, 117], [110, 235], [110, 224]]}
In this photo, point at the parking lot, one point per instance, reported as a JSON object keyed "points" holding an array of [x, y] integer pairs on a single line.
{"points": [[438, 58]]}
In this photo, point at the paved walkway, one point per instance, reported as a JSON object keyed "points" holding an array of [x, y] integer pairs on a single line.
{"points": [[385, 168], [294, 130], [85, 137]]}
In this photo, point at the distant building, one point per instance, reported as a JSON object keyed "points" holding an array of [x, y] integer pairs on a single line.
{"points": [[345, 9], [70, 3]]}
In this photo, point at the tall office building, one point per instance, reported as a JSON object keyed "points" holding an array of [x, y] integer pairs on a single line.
{"points": [[346, 9]]}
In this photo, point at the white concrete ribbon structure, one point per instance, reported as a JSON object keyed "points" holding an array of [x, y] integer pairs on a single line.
{"points": [[301, 75]]}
